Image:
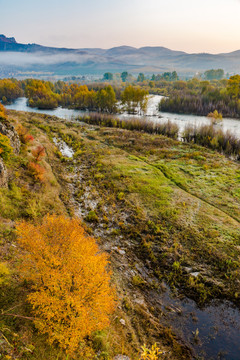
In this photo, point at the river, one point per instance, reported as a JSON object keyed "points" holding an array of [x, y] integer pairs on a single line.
{"points": [[228, 124]]}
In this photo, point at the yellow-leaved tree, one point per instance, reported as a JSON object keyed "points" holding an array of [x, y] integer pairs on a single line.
{"points": [[72, 295]]}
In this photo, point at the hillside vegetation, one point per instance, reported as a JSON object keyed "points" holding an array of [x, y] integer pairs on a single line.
{"points": [[163, 210]]}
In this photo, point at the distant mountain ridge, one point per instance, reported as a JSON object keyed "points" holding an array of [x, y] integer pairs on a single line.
{"points": [[4, 39], [17, 57]]}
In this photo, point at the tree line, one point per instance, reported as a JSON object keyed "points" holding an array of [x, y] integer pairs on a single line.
{"points": [[49, 95], [202, 97]]}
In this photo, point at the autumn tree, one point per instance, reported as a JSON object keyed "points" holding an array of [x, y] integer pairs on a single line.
{"points": [[233, 87], [106, 100], [134, 99], [71, 296]]}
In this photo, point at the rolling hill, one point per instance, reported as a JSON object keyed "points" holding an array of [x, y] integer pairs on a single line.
{"points": [[16, 58]]}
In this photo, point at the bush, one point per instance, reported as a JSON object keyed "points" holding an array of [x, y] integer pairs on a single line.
{"points": [[216, 139], [38, 153], [37, 171], [151, 354], [3, 114], [5, 147], [23, 134], [4, 274]]}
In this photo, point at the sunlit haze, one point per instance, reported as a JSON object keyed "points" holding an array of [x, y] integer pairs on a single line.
{"points": [[192, 26]]}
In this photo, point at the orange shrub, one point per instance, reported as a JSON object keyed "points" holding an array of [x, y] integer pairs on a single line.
{"points": [[23, 134], [38, 153], [72, 296], [37, 171]]}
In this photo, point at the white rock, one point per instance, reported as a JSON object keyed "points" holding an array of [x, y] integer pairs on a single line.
{"points": [[121, 252], [123, 322], [195, 274]]}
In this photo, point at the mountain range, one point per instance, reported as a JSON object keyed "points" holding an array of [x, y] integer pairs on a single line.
{"points": [[17, 59]]}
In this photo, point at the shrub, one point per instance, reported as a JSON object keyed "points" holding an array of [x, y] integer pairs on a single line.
{"points": [[4, 274], [23, 134], [72, 296], [38, 153], [216, 117], [151, 354], [3, 114], [37, 171], [5, 147], [92, 216], [216, 139]]}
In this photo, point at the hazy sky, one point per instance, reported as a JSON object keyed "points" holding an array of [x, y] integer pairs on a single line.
{"points": [[188, 25]]}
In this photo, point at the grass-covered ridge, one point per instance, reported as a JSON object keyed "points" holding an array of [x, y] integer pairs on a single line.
{"points": [[153, 202]]}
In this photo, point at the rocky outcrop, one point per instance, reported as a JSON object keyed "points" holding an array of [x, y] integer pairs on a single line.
{"points": [[3, 174], [7, 129]]}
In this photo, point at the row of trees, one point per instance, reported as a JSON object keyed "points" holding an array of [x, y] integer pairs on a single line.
{"points": [[126, 77], [213, 74], [48, 95]]}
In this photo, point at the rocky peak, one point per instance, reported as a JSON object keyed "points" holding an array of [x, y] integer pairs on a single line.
{"points": [[5, 39]]}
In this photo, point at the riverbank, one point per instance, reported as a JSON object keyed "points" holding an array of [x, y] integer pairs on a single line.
{"points": [[152, 115]]}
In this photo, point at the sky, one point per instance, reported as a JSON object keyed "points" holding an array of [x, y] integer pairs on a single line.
{"points": [[188, 25]]}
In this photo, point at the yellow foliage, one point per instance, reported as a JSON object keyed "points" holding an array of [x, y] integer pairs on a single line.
{"points": [[4, 274], [215, 117], [151, 354], [3, 114], [72, 295]]}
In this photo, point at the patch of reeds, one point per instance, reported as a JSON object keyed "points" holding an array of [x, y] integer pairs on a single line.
{"points": [[166, 128], [216, 139]]}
